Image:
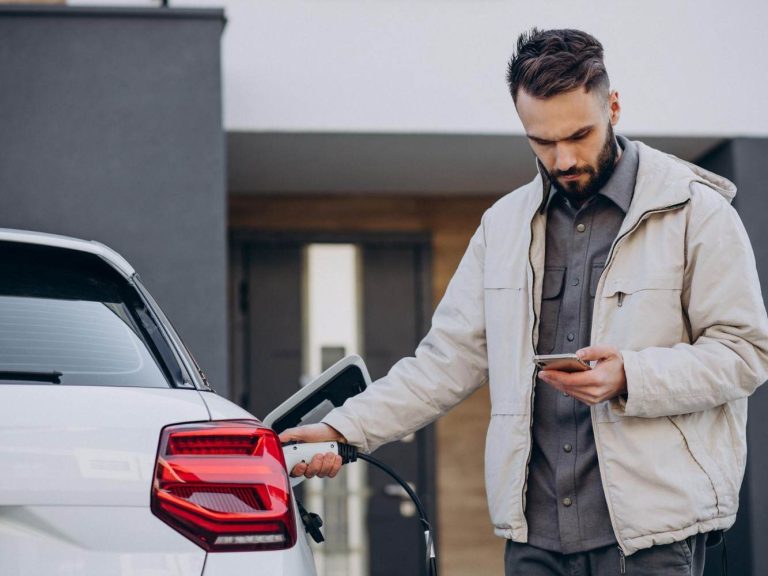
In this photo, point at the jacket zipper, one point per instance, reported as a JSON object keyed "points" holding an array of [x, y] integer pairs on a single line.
{"points": [[533, 383], [595, 433], [640, 220]]}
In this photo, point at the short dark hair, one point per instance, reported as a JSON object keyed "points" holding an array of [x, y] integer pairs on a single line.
{"points": [[551, 62]]}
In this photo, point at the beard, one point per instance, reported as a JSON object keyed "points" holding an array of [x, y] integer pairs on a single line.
{"points": [[598, 175]]}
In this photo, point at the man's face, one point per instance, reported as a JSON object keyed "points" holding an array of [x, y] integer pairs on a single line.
{"points": [[572, 136]]}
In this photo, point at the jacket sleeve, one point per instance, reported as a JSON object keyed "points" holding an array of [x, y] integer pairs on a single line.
{"points": [[448, 365], [728, 355]]}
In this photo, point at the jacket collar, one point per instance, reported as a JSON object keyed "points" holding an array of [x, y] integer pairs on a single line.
{"points": [[662, 181]]}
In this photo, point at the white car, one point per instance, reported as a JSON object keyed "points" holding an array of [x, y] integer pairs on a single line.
{"points": [[116, 457]]}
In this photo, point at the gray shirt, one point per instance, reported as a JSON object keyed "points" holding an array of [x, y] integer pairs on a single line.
{"points": [[566, 509]]}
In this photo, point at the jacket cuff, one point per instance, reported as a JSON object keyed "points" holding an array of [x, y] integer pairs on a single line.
{"points": [[347, 426], [635, 383]]}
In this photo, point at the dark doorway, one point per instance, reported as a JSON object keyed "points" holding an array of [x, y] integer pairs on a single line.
{"points": [[269, 290]]}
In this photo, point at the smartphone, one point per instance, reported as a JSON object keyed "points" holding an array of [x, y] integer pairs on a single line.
{"points": [[562, 362]]}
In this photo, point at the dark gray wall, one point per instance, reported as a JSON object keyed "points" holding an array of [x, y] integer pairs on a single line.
{"points": [[749, 156], [741, 160], [111, 129]]}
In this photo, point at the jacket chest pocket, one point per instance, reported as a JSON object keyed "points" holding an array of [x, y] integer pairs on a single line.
{"points": [[647, 309], [502, 293], [647, 286], [551, 299]]}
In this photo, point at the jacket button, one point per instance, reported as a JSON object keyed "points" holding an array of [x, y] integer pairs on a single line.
{"points": [[567, 447], [567, 501], [581, 227]]}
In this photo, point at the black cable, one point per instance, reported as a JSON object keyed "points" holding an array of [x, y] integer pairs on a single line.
{"points": [[724, 558], [350, 454]]}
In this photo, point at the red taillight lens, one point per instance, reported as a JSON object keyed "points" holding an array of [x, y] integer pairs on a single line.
{"points": [[224, 486]]}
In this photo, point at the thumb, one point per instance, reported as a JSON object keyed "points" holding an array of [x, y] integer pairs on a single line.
{"points": [[311, 433], [597, 352], [291, 434]]}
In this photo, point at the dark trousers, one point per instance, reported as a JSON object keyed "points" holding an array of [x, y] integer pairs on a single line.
{"points": [[684, 558]]}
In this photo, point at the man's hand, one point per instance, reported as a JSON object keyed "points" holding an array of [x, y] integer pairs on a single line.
{"points": [[606, 379], [321, 465]]}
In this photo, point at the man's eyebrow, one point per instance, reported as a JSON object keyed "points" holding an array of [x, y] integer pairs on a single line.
{"points": [[580, 132]]}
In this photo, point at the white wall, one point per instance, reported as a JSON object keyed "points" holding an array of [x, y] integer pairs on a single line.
{"points": [[682, 67]]}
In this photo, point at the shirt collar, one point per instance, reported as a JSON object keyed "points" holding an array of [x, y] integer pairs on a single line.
{"points": [[620, 186]]}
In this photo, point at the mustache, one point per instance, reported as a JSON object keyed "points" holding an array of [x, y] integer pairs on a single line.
{"points": [[573, 172]]}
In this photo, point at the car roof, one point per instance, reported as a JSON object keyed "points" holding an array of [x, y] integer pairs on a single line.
{"points": [[69, 243]]}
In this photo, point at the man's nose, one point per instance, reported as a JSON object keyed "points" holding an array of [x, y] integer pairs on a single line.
{"points": [[566, 159]]}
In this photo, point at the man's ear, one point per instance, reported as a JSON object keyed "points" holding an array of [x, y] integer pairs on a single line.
{"points": [[614, 107]]}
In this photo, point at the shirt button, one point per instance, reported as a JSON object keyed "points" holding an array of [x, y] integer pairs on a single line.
{"points": [[565, 394], [567, 447], [575, 281], [571, 336], [581, 227], [567, 501]]}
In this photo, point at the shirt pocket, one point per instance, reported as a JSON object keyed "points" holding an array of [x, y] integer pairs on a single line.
{"points": [[551, 297]]}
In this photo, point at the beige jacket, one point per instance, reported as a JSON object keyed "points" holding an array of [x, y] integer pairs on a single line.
{"points": [[679, 296]]}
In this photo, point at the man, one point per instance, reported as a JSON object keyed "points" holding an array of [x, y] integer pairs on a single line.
{"points": [[628, 467]]}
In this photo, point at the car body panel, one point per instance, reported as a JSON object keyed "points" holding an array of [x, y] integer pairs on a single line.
{"points": [[93, 541], [85, 445], [77, 464], [269, 563], [222, 409]]}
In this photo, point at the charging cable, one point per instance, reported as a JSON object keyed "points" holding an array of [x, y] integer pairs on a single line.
{"points": [[303, 453]]}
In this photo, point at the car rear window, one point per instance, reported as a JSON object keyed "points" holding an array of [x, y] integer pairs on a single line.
{"points": [[68, 317]]}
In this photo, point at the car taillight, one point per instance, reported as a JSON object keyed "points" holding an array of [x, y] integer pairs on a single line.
{"points": [[223, 485]]}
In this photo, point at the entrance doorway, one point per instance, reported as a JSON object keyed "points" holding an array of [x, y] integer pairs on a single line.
{"points": [[379, 289]]}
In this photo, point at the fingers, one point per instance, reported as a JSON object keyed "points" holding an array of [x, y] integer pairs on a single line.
{"points": [[558, 377], [588, 387], [299, 469], [322, 465], [336, 466], [606, 380]]}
